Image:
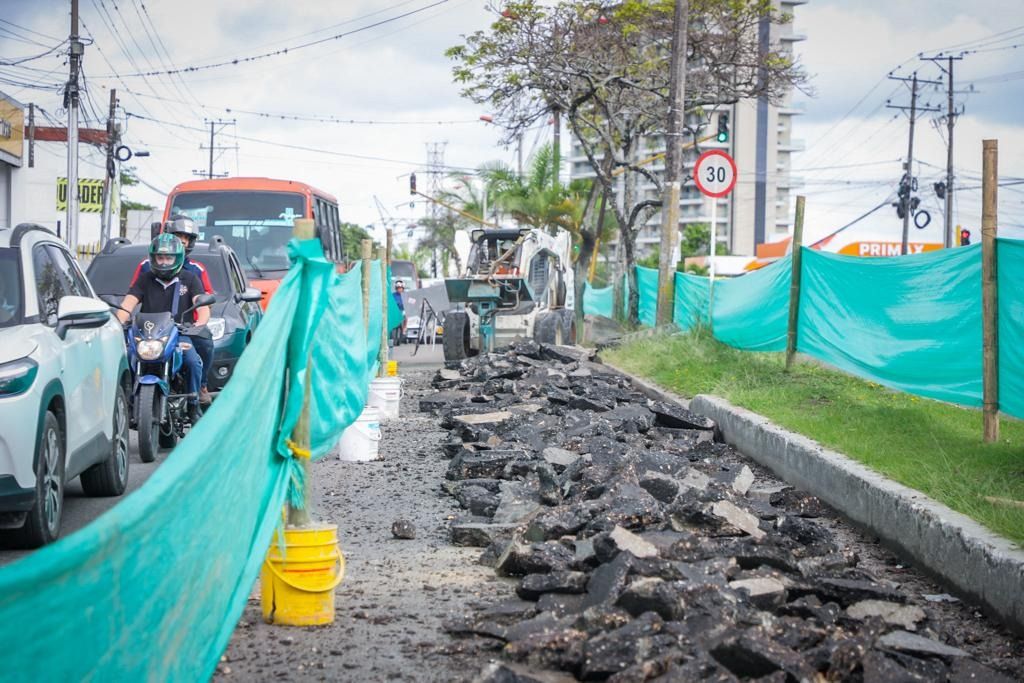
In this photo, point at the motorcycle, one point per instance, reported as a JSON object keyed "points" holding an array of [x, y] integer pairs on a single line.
{"points": [[160, 399]]}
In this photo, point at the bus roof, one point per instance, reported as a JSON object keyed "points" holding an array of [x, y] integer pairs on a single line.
{"points": [[268, 184]]}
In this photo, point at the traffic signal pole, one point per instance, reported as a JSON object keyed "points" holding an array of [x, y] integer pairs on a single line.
{"points": [[910, 164], [904, 198]]}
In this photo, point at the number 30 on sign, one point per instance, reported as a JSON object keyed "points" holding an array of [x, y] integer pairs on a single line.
{"points": [[715, 173]]}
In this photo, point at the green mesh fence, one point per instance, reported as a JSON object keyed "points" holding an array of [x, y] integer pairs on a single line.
{"points": [[912, 323], [751, 312], [153, 588], [1010, 267]]}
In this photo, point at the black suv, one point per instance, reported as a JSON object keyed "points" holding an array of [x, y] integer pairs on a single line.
{"points": [[234, 316]]}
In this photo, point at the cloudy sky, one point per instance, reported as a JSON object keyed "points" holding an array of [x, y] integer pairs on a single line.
{"points": [[395, 76]]}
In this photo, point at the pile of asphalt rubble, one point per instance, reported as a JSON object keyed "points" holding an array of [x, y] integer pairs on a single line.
{"points": [[646, 550]]}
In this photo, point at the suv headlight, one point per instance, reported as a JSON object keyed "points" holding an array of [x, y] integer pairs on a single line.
{"points": [[150, 349], [16, 377], [217, 326]]}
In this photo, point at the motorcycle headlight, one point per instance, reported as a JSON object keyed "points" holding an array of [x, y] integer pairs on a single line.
{"points": [[16, 377], [150, 349], [217, 326]]}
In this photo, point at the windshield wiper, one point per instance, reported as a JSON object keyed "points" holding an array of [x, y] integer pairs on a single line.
{"points": [[259, 273]]}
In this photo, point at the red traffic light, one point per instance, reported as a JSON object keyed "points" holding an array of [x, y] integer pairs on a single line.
{"points": [[965, 237]]}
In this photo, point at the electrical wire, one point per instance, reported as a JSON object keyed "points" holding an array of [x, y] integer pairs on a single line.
{"points": [[283, 51], [285, 145], [28, 30]]}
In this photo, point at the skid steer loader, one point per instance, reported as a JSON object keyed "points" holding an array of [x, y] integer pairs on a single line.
{"points": [[517, 283]]}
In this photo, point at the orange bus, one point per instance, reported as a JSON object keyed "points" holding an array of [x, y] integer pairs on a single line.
{"points": [[255, 217]]}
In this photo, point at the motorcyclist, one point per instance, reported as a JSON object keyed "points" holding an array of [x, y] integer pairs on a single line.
{"points": [[165, 287], [185, 229]]}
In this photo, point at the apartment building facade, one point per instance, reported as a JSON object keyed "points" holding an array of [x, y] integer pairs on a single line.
{"points": [[761, 141]]}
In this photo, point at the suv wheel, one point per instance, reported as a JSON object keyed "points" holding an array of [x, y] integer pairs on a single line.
{"points": [[42, 525], [110, 477]]}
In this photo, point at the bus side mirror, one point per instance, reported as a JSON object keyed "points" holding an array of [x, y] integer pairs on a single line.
{"points": [[155, 228]]}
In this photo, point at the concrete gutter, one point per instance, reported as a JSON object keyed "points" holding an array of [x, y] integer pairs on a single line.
{"points": [[982, 566]]}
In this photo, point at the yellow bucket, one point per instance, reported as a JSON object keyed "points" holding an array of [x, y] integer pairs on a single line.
{"points": [[297, 589], [392, 369]]}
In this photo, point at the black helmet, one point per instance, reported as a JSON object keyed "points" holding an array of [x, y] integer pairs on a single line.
{"points": [[183, 225], [165, 244]]}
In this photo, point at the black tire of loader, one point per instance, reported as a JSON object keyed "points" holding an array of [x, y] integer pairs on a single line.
{"points": [[455, 341]]}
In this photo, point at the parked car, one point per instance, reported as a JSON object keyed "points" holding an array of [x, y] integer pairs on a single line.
{"points": [[63, 383], [233, 318]]}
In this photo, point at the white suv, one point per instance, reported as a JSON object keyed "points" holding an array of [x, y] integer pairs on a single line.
{"points": [[63, 381]]}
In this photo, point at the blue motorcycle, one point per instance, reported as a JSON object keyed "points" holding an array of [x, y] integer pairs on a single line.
{"points": [[160, 398]]}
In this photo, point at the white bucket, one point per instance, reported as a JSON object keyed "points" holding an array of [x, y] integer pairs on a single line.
{"points": [[360, 440], [385, 395]]}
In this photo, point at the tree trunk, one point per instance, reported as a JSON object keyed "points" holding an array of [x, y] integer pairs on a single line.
{"points": [[580, 269], [628, 249]]}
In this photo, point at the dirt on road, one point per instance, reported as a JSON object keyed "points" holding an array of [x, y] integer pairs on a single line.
{"points": [[399, 596], [396, 593]]}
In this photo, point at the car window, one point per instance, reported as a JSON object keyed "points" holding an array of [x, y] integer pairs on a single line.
{"points": [[236, 274], [10, 287], [111, 274], [74, 282], [49, 285], [213, 262]]}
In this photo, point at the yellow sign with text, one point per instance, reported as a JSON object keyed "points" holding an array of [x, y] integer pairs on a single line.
{"points": [[90, 195]]}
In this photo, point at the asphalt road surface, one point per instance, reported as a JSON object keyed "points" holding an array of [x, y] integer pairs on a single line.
{"points": [[80, 509]]}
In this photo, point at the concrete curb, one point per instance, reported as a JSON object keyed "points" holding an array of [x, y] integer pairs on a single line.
{"points": [[977, 563]]}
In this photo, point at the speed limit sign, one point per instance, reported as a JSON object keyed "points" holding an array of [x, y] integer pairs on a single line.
{"points": [[715, 173]]}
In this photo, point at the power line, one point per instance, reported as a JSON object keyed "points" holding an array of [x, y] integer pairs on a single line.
{"points": [[286, 50], [27, 29], [22, 60], [403, 162]]}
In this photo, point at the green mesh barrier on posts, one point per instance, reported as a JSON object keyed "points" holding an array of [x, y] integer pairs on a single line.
{"points": [[1010, 269], [152, 589], [909, 322], [690, 306], [751, 312], [598, 300], [647, 286]]}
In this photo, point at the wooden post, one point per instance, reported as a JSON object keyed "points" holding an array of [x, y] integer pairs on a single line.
{"points": [[794, 286], [304, 229], [367, 254], [989, 291], [385, 292]]}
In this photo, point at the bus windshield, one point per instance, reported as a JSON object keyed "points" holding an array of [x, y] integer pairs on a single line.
{"points": [[257, 225]]}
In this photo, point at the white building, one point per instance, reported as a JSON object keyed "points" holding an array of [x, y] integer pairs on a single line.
{"points": [[761, 142], [37, 191]]}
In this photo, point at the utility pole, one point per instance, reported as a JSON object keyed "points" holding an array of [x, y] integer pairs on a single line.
{"points": [[909, 165], [75, 50], [209, 174], [111, 170], [31, 135], [948, 238], [435, 168], [673, 162], [214, 148]]}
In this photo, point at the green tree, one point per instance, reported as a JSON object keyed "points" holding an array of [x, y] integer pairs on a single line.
{"points": [[604, 69], [129, 178], [352, 237]]}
